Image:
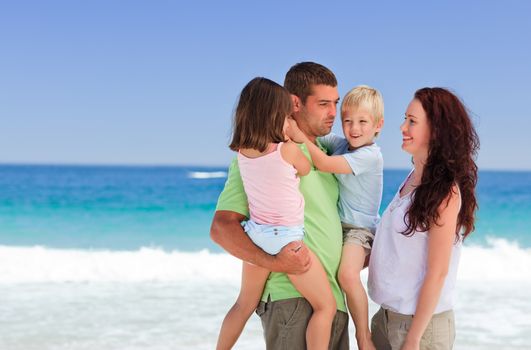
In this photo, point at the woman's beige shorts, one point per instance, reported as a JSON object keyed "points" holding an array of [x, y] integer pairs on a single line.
{"points": [[389, 330]]}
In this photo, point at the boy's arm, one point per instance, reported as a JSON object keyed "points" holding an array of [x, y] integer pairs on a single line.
{"points": [[323, 162], [326, 163]]}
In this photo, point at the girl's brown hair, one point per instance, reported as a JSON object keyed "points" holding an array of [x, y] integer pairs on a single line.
{"points": [[260, 115], [453, 148]]}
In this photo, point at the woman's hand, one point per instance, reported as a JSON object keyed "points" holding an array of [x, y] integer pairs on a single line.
{"points": [[410, 344]]}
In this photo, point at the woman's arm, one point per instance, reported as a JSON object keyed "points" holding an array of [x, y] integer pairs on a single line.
{"points": [[440, 241]]}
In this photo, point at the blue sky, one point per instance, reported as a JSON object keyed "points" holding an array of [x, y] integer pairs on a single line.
{"points": [[155, 82]]}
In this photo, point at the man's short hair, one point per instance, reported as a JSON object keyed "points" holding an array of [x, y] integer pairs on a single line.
{"points": [[301, 77]]}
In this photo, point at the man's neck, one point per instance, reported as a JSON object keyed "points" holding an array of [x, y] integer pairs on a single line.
{"points": [[308, 134], [313, 139]]}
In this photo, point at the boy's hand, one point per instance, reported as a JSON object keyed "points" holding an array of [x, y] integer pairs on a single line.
{"points": [[294, 133]]}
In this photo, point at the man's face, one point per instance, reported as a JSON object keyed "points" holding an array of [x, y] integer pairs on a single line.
{"points": [[316, 117]]}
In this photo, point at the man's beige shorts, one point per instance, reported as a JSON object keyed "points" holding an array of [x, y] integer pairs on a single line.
{"points": [[357, 235]]}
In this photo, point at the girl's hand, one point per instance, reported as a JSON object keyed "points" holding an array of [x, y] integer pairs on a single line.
{"points": [[293, 131]]}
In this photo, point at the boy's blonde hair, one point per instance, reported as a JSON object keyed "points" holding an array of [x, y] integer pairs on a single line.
{"points": [[366, 97]]}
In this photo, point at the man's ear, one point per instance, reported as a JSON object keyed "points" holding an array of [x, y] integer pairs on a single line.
{"points": [[296, 103]]}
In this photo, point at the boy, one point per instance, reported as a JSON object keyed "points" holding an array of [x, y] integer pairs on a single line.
{"points": [[358, 165]]}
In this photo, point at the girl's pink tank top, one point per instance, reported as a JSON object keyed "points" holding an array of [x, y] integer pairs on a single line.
{"points": [[272, 188]]}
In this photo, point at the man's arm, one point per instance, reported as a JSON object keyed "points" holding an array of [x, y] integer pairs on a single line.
{"points": [[231, 210], [228, 233]]}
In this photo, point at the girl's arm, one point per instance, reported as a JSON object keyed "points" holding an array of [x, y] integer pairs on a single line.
{"points": [[440, 241], [292, 154], [323, 162]]}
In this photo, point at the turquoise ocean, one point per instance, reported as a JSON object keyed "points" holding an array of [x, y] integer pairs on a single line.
{"points": [[103, 257]]}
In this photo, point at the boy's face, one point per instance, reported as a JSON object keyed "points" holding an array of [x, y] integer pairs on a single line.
{"points": [[359, 127]]}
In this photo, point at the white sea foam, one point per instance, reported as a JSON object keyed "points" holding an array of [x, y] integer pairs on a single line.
{"points": [[39, 264], [206, 174], [153, 299], [499, 261]]}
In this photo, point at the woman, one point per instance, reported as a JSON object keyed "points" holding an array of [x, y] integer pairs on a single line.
{"points": [[416, 250]]}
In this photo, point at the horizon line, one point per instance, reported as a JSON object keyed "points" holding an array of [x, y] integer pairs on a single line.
{"points": [[175, 165]]}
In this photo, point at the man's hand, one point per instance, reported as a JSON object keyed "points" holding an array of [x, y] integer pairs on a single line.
{"points": [[294, 133], [293, 259], [226, 231]]}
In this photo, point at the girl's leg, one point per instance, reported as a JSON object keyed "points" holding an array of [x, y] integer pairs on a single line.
{"points": [[352, 260], [253, 281], [314, 286]]}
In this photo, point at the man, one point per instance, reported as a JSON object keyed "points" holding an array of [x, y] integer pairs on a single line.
{"points": [[284, 313]]}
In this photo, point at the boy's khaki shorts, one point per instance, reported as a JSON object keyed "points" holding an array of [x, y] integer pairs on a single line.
{"points": [[358, 235]]}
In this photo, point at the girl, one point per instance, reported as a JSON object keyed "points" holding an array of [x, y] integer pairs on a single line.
{"points": [[269, 166], [416, 250]]}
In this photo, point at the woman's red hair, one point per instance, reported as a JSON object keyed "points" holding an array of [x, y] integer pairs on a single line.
{"points": [[451, 160]]}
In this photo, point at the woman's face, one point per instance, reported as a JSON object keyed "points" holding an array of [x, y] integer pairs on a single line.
{"points": [[416, 131]]}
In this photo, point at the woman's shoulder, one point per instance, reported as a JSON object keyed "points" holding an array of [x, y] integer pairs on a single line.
{"points": [[452, 203]]}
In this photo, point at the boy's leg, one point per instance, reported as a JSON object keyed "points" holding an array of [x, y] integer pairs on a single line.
{"points": [[314, 286], [253, 281], [352, 259]]}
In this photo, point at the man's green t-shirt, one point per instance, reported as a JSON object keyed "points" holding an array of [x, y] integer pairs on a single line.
{"points": [[321, 223]]}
